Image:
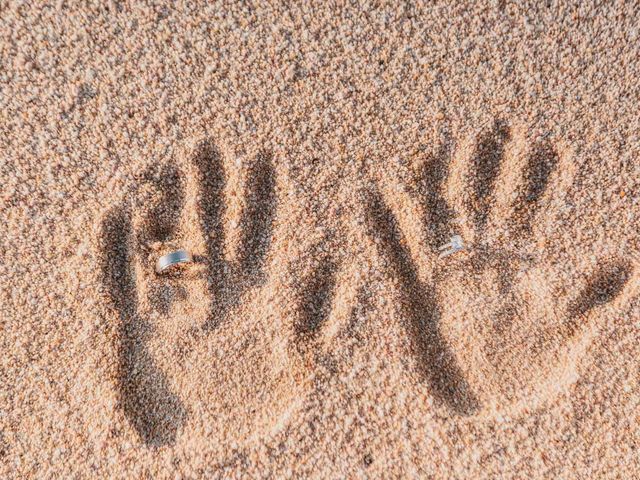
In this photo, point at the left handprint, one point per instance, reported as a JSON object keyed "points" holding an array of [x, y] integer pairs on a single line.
{"points": [[231, 341]]}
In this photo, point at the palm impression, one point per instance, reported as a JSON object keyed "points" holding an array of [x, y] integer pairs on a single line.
{"points": [[229, 340], [493, 326]]}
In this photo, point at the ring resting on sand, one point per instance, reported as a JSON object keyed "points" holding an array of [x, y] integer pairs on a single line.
{"points": [[455, 245], [171, 259]]}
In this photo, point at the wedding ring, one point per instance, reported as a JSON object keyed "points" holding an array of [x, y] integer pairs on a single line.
{"points": [[455, 245], [171, 259]]}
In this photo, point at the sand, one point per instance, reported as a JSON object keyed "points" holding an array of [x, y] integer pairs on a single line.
{"points": [[314, 158]]}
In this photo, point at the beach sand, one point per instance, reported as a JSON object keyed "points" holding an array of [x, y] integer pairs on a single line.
{"points": [[315, 158]]}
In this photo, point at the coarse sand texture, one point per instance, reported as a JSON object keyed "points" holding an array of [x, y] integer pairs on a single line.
{"points": [[415, 231]]}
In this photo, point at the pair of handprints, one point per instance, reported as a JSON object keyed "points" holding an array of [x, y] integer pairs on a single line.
{"points": [[534, 334]]}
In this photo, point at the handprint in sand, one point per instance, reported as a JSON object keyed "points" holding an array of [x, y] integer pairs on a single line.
{"points": [[229, 340], [495, 326]]}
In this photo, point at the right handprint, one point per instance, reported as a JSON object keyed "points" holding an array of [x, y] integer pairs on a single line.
{"points": [[503, 321]]}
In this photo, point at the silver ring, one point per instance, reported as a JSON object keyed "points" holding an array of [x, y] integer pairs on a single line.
{"points": [[173, 258]]}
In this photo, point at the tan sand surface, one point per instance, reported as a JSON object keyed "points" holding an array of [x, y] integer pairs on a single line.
{"points": [[314, 156]]}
